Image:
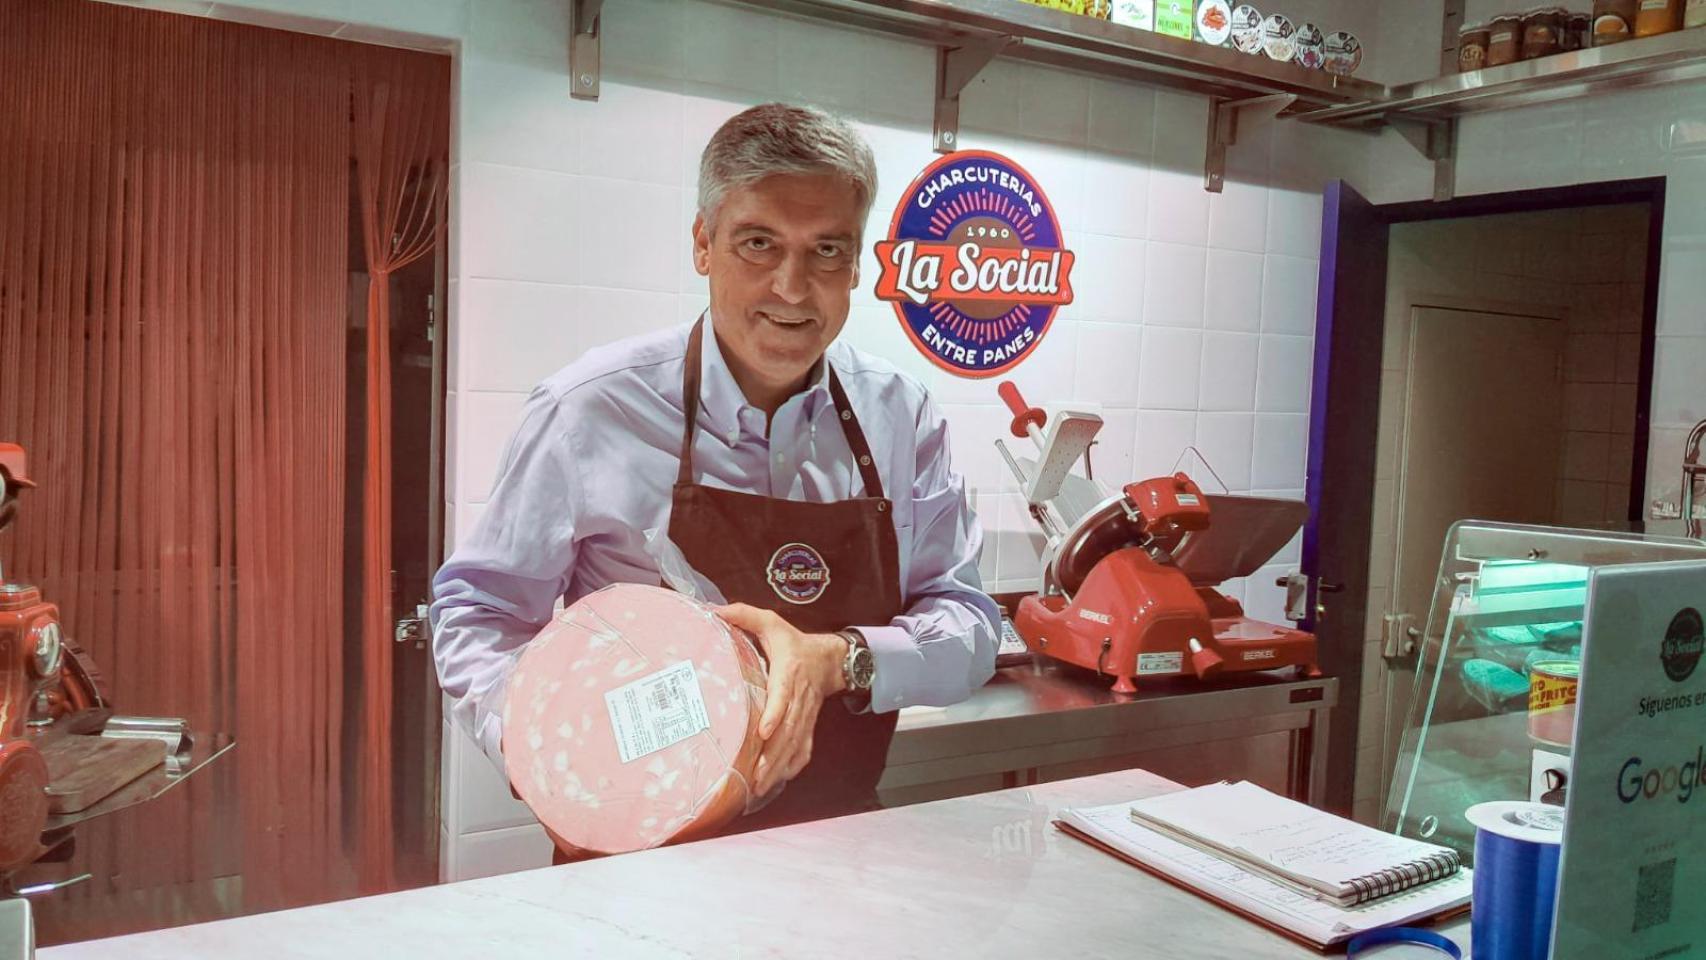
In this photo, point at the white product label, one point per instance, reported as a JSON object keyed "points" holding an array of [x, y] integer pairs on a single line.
{"points": [[657, 711], [1250, 656], [1188, 500], [1134, 13], [1152, 663]]}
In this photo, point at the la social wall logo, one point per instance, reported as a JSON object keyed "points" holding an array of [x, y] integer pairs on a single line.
{"points": [[974, 264]]}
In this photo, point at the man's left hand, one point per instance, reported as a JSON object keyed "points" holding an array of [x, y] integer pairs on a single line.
{"points": [[804, 669]]}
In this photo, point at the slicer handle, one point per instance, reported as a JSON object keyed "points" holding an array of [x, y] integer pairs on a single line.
{"points": [[1025, 417]]}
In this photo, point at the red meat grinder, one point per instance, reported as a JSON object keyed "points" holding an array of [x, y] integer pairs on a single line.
{"points": [[1128, 580]]}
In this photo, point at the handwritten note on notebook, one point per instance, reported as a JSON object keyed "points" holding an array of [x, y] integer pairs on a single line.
{"points": [[1336, 858]]}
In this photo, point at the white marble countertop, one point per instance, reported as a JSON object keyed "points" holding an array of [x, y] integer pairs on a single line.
{"points": [[981, 876]]}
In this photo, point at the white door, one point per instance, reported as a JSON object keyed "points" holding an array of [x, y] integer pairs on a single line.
{"points": [[1482, 437]]}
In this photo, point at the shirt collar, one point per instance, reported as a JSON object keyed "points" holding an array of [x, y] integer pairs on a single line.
{"points": [[721, 397]]}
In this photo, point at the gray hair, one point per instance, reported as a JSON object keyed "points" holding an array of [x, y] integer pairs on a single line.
{"points": [[781, 138]]}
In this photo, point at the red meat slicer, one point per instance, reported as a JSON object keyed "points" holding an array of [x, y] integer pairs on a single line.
{"points": [[43, 678], [1128, 580]]}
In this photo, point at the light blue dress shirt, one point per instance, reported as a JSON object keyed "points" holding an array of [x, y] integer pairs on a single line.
{"points": [[593, 465]]}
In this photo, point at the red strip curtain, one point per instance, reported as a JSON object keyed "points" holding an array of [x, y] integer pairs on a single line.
{"points": [[402, 137], [175, 203]]}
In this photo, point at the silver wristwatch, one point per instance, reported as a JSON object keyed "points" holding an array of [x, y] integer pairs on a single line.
{"points": [[859, 666]]}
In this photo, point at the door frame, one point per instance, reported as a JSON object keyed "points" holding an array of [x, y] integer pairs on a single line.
{"points": [[1604, 193], [1356, 432]]}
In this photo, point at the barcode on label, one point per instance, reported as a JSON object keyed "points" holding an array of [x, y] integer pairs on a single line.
{"points": [[1654, 885], [656, 711]]}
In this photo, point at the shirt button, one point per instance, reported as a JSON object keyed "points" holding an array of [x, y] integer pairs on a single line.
{"points": [[779, 458]]}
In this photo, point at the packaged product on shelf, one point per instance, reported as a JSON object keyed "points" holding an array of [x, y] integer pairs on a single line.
{"points": [[1247, 29], [1658, 16], [1174, 18], [1343, 52], [1472, 48], [1504, 40], [1542, 32], [1214, 22], [1279, 38], [1613, 21], [1311, 46], [1578, 31], [1134, 13]]}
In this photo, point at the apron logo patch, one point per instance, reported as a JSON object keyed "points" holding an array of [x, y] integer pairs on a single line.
{"points": [[798, 573]]}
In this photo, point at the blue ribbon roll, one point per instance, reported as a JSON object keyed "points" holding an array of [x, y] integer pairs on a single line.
{"points": [[1516, 878]]}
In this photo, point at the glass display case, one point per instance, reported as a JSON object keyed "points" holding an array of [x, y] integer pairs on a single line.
{"points": [[1491, 713]]}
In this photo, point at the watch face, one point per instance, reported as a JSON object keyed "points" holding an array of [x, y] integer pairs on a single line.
{"points": [[864, 665]]}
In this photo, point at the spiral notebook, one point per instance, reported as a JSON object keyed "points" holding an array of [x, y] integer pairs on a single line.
{"points": [[1314, 852], [1304, 917]]}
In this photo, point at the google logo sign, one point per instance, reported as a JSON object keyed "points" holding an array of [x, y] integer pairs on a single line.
{"points": [[1633, 784]]}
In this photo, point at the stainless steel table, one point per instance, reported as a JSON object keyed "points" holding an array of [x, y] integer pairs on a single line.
{"points": [[1049, 721], [984, 876]]}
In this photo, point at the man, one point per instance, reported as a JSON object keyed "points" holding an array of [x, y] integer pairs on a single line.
{"points": [[774, 437]]}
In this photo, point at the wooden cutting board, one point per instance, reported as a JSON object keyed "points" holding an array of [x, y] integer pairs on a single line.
{"points": [[84, 770]]}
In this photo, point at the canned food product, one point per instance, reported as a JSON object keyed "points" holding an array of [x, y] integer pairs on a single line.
{"points": [[1134, 13], [1542, 32], [1552, 686], [1279, 38], [1096, 8], [1658, 16], [1472, 48], [1247, 29], [1214, 22], [1504, 40], [1311, 45], [1343, 53], [1613, 21]]}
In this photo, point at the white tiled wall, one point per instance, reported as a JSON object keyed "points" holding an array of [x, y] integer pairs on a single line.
{"points": [[569, 228]]}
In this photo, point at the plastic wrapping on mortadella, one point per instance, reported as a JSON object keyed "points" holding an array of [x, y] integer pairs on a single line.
{"points": [[631, 721]]}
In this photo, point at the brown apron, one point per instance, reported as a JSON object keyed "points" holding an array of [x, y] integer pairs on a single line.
{"points": [[839, 565], [822, 567]]}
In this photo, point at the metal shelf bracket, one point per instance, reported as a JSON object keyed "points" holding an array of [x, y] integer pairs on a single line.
{"points": [[955, 68], [1223, 131], [584, 17], [1435, 140]]}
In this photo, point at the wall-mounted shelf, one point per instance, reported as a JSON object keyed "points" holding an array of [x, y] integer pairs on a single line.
{"points": [[1649, 61], [968, 34], [1062, 39]]}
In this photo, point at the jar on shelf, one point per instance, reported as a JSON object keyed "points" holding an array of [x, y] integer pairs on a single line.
{"points": [[1504, 40], [1472, 48], [1658, 16], [1542, 32], [1613, 21], [1578, 31]]}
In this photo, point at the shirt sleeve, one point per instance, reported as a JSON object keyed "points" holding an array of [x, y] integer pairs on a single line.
{"points": [[943, 647], [501, 585]]}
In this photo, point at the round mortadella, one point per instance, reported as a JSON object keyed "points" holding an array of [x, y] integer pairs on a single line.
{"points": [[631, 721]]}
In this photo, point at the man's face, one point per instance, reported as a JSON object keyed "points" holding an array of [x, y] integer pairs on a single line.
{"points": [[782, 261]]}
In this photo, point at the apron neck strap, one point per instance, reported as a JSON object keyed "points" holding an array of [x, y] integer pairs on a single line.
{"points": [[843, 410]]}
